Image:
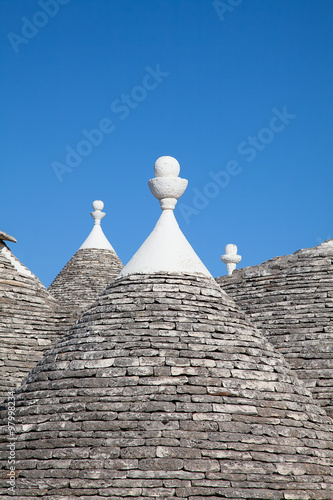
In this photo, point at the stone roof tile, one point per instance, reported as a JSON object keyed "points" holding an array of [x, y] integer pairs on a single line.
{"points": [[164, 389], [30, 320], [185, 402], [291, 299], [84, 277], [90, 269]]}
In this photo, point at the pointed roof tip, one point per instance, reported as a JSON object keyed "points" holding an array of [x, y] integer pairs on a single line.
{"points": [[97, 238], [230, 258], [166, 249], [6, 237]]}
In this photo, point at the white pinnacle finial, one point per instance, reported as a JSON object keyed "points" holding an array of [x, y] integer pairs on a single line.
{"points": [[98, 215], [97, 238], [231, 258], [166, 249], [167, 187]]}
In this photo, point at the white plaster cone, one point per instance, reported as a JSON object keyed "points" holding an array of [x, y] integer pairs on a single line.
{"points": [[97, 238], [166, 249]]}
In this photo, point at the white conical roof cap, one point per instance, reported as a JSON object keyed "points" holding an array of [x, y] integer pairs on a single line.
{"points": [[97, 238], [166, 249]]}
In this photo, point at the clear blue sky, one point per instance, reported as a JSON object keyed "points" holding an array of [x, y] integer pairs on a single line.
{"points": [[240, 93]]}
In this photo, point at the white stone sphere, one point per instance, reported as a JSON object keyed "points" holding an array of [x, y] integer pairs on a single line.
{"points": [[166, 166], [98, 205]]}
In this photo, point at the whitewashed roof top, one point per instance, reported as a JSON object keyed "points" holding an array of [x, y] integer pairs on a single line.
{"points": [[290, 298], [97, 238], [166, 249]]}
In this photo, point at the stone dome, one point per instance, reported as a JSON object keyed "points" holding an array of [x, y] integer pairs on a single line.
{"points": [[84, 277], [30, 319], [164, 389], [291, 299], [89, 271]]}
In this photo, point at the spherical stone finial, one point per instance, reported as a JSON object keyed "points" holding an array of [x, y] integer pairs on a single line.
{"points": [[167, 187], [231, 258], [97, 215], [98, 205], [166, 166]]}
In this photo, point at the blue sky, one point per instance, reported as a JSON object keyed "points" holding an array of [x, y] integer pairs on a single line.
{"points": [[92, 93]]}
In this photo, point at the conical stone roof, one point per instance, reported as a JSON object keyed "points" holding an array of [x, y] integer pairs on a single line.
{"points": [[291, 298], [89, 271], [30, 319], [164, 389]]}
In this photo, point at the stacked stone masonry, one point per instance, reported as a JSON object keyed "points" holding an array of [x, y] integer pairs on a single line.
{"points": [[32, 318], [84, 277], [162, 390], [291, 299], [30, 321]]}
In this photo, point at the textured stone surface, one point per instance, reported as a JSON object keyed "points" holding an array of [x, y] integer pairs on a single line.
{"points": [[163, 389], [30, 320], [84, 277], [7, 237], [291, 298]]}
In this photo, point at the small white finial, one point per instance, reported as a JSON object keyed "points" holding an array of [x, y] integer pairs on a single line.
{"points": [[167, 187], [97, 238], [98, 215], [231, 258]]}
